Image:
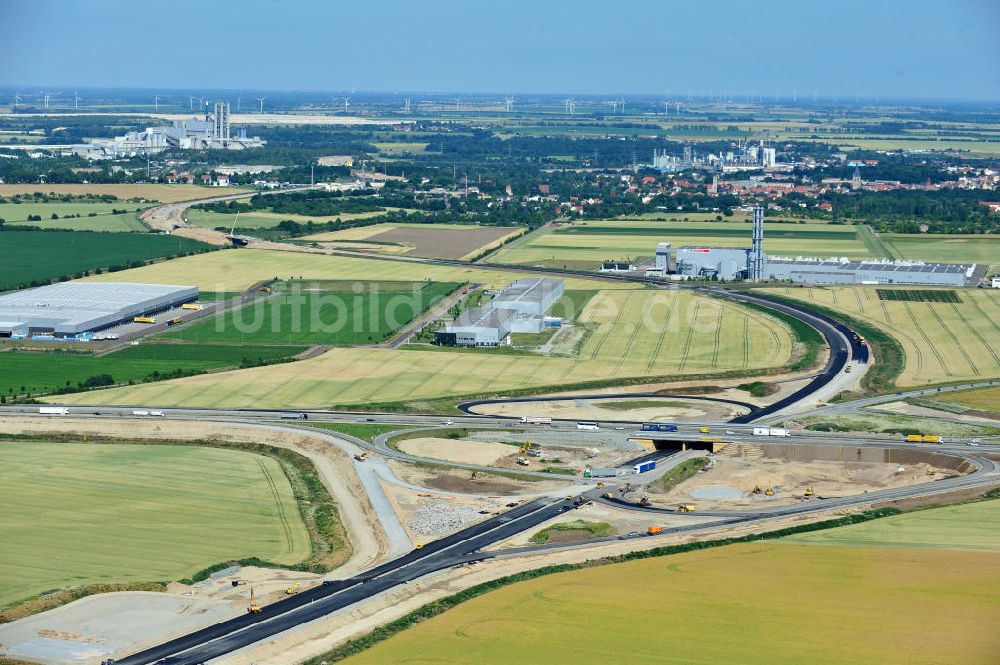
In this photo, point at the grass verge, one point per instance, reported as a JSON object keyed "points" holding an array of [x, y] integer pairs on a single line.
{"points": [[678, 474], [596, 529]]}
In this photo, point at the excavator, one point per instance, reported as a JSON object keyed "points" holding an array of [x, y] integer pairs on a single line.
{"points": [[293, 589], [643, 502], [809, 491], [361, 457], [769, 491], [254, 606], [685, 508]]}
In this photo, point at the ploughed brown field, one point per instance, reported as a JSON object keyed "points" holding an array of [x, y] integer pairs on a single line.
{"points": [[444, 243]]}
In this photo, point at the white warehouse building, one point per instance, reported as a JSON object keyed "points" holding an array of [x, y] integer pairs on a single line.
{"points": [[479, 326], [529, 297]]}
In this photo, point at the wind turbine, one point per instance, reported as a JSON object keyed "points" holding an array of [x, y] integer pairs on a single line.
{"points": [[260, 100], [191, 99], [46, 96], [621, 101], [17, 100], [347, 103], [406, 105], [156, 102], [570, 105], [76, 101], [509, 103], [666, 108]]}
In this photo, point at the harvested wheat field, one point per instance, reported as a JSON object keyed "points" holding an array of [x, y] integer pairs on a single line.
{"points": [[162, 193], [942, 341], [793, 604], [635, 333]]}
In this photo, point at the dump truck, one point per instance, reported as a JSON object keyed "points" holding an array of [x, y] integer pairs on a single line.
{"points": [[685, 508], [653, 530], [523, 461]]}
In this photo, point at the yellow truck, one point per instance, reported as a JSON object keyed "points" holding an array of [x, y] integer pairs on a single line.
{"points": [[192, 306], [914, 438], [144, 319]]}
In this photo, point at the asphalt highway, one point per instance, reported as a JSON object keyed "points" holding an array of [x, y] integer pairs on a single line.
{"points": [[456, 549]]}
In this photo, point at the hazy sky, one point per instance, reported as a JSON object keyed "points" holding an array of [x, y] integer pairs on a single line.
{"points": [[909, 48]]}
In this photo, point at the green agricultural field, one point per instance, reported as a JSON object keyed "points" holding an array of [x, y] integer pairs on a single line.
{"points": [[970, 526], [40, 256], [105, 513], [629, 333], [941, 341], [238, 270], [32, 372], [585, 244], [76, 216], [345, 313], [944, 248], [984, 399], [754, 603]]}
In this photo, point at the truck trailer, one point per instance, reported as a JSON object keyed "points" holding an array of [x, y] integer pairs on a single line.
{"points": [[770, 431], [536, 420], [643, 467], [53, 410]]}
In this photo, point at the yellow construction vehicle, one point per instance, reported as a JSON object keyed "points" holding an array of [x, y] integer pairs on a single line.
{"points": [[600, 485], [704, 430], [685, 508], [293, 589], [608, 495], [643, 502], [254, 606], [809, 491], [418, 546], [525, 447], [362, 456], [769, 491], [757, 490]]}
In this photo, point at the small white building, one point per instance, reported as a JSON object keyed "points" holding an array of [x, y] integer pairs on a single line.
{"points": [[996, 282]]}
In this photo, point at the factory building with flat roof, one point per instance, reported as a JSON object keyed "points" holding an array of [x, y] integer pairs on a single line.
{"points": [[529, 297], [729, 263], [518, 308], [479, 326], [75, 309]]}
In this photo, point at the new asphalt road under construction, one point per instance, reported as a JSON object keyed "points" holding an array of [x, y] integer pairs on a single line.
{"points": [[468, 545]]}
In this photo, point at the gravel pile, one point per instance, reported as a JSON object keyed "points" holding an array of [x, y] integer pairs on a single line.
{"points": [[440, 516]]}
